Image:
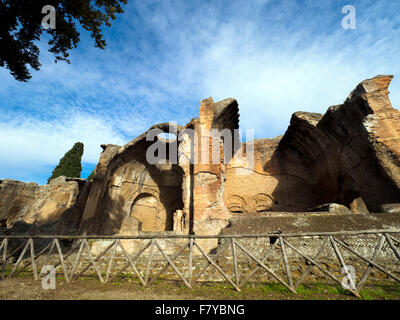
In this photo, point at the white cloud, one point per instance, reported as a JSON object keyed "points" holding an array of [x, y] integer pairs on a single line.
{"points": [[276, 69], [31, 144], [164, 56]]}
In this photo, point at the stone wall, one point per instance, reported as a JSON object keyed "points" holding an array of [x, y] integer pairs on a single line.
{"points": [[350, 156], [309, 222], [351, 151], [56, 206], [129, 191]]}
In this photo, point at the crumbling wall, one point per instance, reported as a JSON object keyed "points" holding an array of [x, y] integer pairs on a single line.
{"points": [[352, 151], [349, 156], [56, 206], [129, 194]]}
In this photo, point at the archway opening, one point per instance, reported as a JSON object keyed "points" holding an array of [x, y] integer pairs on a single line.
{"points": [[155, 210]]}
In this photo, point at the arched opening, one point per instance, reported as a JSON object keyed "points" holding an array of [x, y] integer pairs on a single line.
{"points": [[150, 192], [155, 209], [146, 209]]}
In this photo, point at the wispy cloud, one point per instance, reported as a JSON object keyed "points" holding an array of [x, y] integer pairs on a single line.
{"points": [[30, 145], [163, 57]]}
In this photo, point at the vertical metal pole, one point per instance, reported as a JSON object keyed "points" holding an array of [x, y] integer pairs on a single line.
{"points": [[4, 260], [286, 262], [62, 259], [149, 262], [235, 268], [190, 271], [35, 275]]}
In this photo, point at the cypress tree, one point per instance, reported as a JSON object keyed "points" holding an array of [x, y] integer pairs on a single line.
{"points": [[70, 163], [90, 178]]}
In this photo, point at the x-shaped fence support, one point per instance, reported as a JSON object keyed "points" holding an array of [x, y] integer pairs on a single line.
{"points": [[237, 282]]}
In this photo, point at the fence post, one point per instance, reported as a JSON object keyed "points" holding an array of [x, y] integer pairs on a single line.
{"points": [[235, 267], [190, 268], [4, 260], [286, 262]]}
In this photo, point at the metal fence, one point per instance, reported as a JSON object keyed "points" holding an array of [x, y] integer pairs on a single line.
{"points": [[237, 259]]}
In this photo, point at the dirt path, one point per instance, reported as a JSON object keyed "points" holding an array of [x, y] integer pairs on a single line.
{"points": [[89, 288]]}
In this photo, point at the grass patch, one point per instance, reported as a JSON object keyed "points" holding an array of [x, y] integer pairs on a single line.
{"points": [[367, 294], [174, 288], [378, 293], [275, 287], [303, 291]]}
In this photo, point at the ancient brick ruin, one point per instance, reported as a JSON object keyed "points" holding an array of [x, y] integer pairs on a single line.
{"points": [[337, 171]]}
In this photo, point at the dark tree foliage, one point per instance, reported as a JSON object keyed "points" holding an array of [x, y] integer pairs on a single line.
{"points": [[90, 178], [70, 164], [21, 27]]}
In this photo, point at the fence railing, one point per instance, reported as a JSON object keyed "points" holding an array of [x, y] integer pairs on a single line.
{"points": [[237, 259]]}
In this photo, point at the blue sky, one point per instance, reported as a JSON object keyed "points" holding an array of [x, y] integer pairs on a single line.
{"points": [[163, 57]]}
